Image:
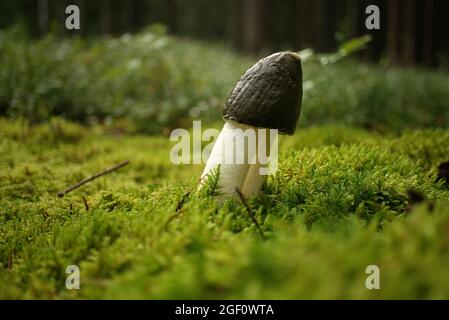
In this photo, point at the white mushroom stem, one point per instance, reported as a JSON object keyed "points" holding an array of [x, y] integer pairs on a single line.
{"points": [[255, 178], [224, 154], [237, 153]]}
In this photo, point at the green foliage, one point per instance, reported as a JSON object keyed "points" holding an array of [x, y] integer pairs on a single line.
{"points": [[337, 204], [158, 82], [374, 98], [346, 49], [329, 183], [353, 45], [428, 147], [211, 187]]}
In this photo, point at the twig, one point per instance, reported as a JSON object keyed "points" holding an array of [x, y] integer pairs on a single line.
{"points": [[85, 203], [250, 212], [178, 210], [95, 176], [183, 199]]}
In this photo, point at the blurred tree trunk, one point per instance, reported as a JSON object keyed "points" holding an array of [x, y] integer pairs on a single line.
{"points": [[410, 32], [172, 15], [304, 24], [331, 23], [319, 24], [252, 25], [58, 11], [234, 23], [428, 32], [138, 13], [42, 8], [106, 16], [442, 34], [127, 15], [84, 25], [352, 12], [393, 25]]}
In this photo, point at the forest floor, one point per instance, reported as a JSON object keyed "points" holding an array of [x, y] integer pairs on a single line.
{"points": [[343, 199]]}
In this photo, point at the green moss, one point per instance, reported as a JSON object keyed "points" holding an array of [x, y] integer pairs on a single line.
{"points": [[337, 204]]}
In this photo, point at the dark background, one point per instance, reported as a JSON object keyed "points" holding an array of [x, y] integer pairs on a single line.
{"points": [[413, 32]]}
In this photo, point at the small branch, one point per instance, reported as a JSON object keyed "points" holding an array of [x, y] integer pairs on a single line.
{"points": [[85, 203], [178, 211], [183, 199], [95, 176], [250, 212]]}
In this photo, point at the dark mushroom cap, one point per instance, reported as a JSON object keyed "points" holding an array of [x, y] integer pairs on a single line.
{"points": [[269, 94]]}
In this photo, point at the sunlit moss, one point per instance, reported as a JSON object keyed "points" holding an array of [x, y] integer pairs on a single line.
{"points": [[338, 203]]}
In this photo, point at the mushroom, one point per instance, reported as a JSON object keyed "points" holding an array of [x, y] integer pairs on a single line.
{"points": [[267, 96]]}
